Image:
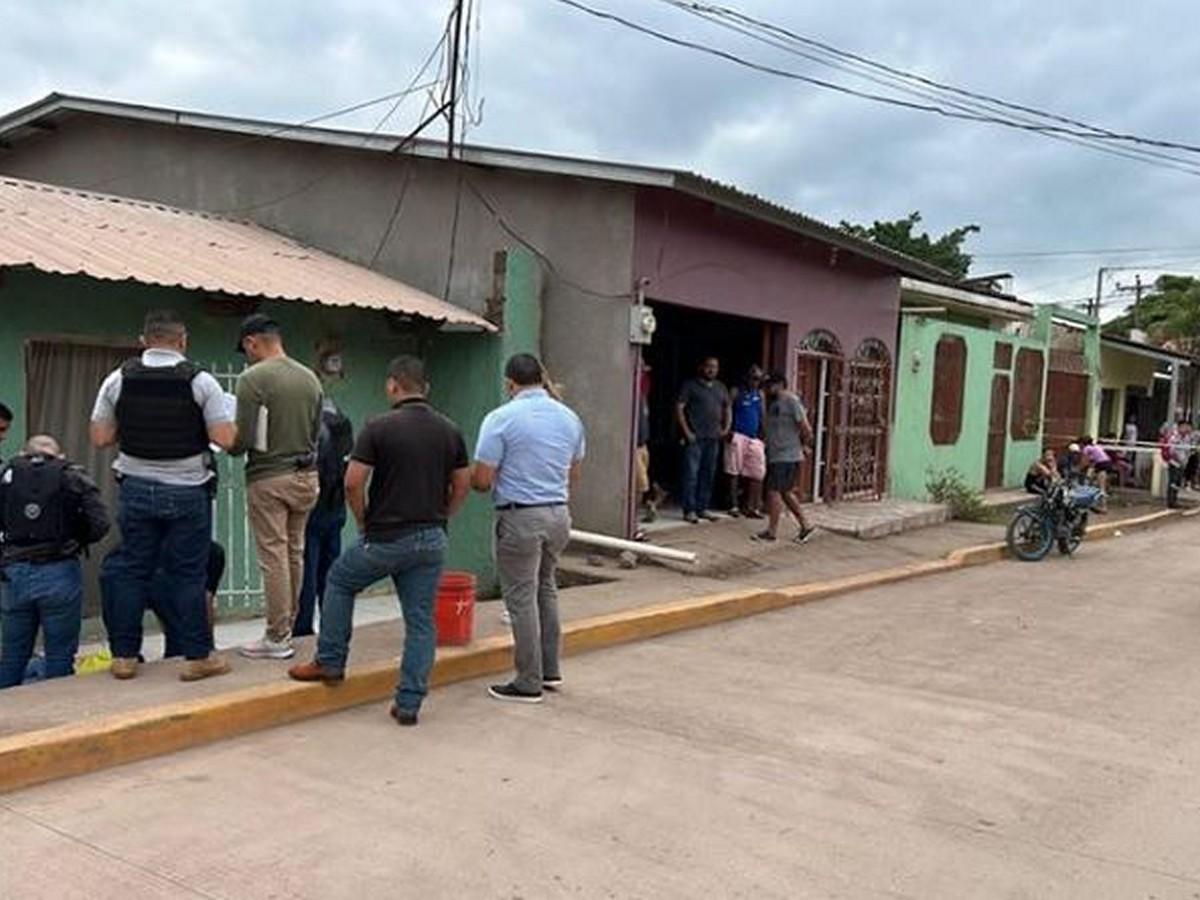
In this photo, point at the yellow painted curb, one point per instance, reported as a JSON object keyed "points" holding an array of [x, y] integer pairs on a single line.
{"points": [[94, 744]]}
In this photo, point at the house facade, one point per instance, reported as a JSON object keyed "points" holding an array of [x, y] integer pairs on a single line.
{"points": [[984, 383], [78, 273], [726, 273]]}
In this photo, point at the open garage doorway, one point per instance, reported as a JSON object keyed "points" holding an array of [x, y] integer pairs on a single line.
{"points": [[684, 337]]}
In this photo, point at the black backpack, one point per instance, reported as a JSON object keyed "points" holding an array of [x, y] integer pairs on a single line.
{"points": [[35, 500]]}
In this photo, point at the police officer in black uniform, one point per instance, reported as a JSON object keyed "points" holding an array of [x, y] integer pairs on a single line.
{"points": [[51, 512]]}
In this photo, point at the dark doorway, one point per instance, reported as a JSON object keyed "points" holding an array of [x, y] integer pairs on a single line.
{"points": [[61, 381], [997, 435], [684, 337]]}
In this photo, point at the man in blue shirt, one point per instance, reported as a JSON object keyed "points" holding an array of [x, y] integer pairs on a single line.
{"points": [[745, 454], [528, 455]]}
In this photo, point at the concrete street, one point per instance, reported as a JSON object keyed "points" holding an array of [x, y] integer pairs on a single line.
{"points": [[1007, 731]]}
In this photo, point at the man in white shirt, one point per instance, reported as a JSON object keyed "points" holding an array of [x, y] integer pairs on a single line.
{"points": [[162, 411]]}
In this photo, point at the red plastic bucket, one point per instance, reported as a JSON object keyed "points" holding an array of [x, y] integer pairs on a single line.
{"points": [[455, 611]]}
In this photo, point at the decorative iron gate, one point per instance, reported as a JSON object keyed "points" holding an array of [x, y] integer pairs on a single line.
{"points": [[241, 589], [849, 408], [861, 472]]}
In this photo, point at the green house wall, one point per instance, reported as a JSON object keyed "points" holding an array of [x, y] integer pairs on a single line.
{"points": [[914, 455], [465, 368]]}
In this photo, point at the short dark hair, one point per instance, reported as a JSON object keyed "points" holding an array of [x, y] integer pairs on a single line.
{"points": [[6, 414], [524, 370], [163, 324], [775, 378], [408, 371]]}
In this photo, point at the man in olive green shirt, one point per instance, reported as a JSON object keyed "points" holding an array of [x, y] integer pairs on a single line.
{"points": [[278, 419]]}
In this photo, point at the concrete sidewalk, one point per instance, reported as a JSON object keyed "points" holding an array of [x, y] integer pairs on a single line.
{"points": [[729, 561]]}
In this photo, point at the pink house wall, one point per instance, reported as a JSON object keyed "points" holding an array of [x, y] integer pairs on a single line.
{"points": [[697, 254]]}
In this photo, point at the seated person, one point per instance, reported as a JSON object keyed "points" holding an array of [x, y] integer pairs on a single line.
{"points": [[1042, 473], [1071, 465]]}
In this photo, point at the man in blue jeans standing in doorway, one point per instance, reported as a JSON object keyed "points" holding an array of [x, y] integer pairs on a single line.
{"points": [[704, 416], [416, 461], [162, 411]]}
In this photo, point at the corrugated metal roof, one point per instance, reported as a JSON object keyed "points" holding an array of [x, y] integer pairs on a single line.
{"points": [[33, 119], [70, 232]]}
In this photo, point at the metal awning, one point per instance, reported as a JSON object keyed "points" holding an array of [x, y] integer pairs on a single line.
{"points": [[69, 232]]}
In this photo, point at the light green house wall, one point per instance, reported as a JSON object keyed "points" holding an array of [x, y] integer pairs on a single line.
{"points": [[464, 367], [914, 455]]}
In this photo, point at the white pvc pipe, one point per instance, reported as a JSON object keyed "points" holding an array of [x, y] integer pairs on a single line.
{"points": [[612, 543]]}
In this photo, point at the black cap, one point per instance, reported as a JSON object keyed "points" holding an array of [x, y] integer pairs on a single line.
{"points": [[256, 324]]}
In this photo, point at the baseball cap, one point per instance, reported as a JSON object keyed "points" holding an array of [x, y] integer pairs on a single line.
{"points": [[258, 323]]}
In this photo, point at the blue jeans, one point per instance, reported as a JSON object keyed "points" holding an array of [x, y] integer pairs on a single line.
{"points": [[699, 471], [414, 563], [46, 595], [322, 545], [161, 525]]}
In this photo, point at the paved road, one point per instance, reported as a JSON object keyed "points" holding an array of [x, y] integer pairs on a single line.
{"points": [[1011, 731]]}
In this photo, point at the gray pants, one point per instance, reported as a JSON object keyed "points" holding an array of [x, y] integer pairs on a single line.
{"points": [[528, 544]]}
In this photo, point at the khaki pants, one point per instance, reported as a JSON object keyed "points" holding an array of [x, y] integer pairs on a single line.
{"points": [[278, 507]]}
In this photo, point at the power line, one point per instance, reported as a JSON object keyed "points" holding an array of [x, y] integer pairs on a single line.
{"points": [[842, 61], [1061, 133], [709, 10], [336, 166], [1109, 251], [507, 228]]}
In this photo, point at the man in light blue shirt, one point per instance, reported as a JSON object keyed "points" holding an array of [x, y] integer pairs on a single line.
{"points": [[528, 455]]}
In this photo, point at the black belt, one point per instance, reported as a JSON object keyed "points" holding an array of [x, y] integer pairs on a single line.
{"points": [[507, 507]]}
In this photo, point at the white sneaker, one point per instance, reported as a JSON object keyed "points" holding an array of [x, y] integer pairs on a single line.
{"points": [[268, 649], [505, 617]]}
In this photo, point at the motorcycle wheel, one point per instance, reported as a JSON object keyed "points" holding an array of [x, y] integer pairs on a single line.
{"points": [[1029, 536], [1068, 545]]}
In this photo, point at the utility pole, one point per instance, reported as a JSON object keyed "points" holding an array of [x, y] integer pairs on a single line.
{"points": [[1094, 308], [1137, 287], [452, 105]]}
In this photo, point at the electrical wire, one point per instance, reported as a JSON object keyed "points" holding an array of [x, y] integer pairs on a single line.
{"points": [[499, 218], [1090, 137], [338, 165], [708, 10], [1062, 133]]}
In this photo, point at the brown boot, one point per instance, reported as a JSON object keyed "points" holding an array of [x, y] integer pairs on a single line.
{"points": [[209, 667], [314, 671], [124, 667]]}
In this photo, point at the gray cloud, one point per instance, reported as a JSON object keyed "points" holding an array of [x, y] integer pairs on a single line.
{"points": [[555, 80]]}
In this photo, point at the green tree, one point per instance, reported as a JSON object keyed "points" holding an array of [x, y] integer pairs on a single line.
{"points": [[945, 252], [1169, 313]]}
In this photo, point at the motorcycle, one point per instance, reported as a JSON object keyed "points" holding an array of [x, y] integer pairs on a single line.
{"points": [[1059, 516]]}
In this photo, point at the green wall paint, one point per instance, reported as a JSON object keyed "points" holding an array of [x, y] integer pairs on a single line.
{"points": [[466, 371], [914, 454], [464, 368]]}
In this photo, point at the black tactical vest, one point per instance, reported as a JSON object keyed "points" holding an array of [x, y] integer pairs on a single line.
{"points": [[36, 502], [157, 415]]}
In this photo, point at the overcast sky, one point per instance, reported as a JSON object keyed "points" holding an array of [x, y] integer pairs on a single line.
{"points": [[553, 79]]}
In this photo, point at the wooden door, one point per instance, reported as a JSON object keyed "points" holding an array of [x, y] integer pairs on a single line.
{"points": [[997, 437]]}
